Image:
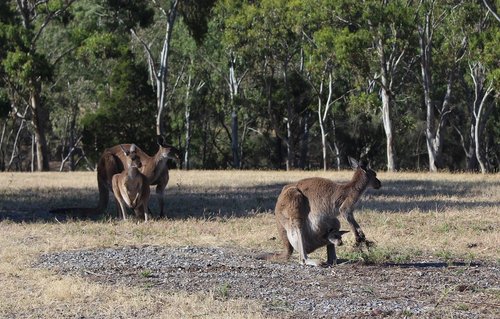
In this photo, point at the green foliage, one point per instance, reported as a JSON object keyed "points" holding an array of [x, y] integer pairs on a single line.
{"points": [[92, 73], [126, 14], [196, 14], [126, 113]]}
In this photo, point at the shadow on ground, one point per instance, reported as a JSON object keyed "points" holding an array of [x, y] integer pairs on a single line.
{"points": [[221, 202]]}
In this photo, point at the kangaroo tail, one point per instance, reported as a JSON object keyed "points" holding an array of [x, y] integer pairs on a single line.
{"points": [[272, 256]]}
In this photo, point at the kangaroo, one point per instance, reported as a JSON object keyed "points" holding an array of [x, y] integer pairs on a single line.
{"points": [[154, 168], [307, 213], [112, 161], [130, 187]]}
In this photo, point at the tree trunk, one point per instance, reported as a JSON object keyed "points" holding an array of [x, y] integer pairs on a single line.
{"points": [[480, 111], [187, 117], [386, 119], [163, 71], [336, 149], [304, 143], [234, 139], [234, 86], [290, 150], [39, 120]]}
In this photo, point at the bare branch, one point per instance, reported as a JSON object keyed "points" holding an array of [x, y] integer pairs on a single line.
{"points": [[490, 9], [50, 16], [146, 48]]}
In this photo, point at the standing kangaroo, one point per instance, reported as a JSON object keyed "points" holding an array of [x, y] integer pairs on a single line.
{"points": [[154, 168], [130, 187], [113, 161], [307, 213]]}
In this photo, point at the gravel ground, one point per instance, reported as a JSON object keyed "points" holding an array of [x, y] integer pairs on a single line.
{"points": [[288, 290]]}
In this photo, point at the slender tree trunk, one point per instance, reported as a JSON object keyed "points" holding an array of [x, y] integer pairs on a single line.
{"points": [[385, 93], [386, 119], [480, 111], [39, 121], [304, 143], [290, 150], [187, 118], [336, 149], [163, 71], [234, 85], [234, 138], [425, 38], [2, 154]]}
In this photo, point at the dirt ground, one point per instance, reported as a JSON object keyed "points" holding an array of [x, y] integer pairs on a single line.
{"points": [[421, 289]]}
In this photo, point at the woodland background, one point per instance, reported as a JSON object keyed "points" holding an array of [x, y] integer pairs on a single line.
{"points": [[271, 84]]}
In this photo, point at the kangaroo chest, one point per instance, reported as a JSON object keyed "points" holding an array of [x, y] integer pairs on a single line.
{"points": [[155, 172]]}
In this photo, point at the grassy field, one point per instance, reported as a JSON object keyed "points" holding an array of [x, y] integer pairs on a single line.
{"points": [[413, 217]]}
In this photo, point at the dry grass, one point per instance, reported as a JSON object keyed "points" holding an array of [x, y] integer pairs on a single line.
{"points": [[413, 217]]}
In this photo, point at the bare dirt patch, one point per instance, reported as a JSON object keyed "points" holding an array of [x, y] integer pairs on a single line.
{"points": [[349, 290]]}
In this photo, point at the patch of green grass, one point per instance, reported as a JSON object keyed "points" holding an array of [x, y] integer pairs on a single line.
{"points": [[380, 255], [277, 304], [445, 227], [462, 307], [222, 291], [146, 273], [406, 313], [445, 254]]}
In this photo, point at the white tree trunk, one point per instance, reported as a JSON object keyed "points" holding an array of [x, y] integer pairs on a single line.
{"points": [[163, 71], [187, 117], [322, 116], [480, 111], [386, 119], [234, 86]]}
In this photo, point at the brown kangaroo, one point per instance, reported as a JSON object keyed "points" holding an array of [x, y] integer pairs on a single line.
{"points": [[307, 213], [154, 168], [130, 187], [112, 161]]}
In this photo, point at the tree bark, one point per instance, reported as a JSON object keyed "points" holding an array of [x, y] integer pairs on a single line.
{"points": [[290, 150], [161, 74], [39, 122], [480, 112], [234, 86], [187, 118], [386, 119], [386, 85]]}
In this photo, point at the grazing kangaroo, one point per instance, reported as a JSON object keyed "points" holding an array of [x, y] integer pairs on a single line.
{"points": [[307, 213], [154, 168], [130, 187]]}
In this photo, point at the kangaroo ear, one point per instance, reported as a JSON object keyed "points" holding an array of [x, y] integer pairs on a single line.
{"points": [[124, 150], [160, 140], [353, 162], [364, 165]]}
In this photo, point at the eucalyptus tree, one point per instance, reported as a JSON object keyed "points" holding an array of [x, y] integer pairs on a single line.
{"points": [[263, 32], [26, 69], [195, 15], [443, 45], [375, 43], [482, 73], [319, 30]]}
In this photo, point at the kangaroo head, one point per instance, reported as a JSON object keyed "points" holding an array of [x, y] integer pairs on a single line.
{"points": [[133, 159], [336, 236], [370, 174], [168, 151]]}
